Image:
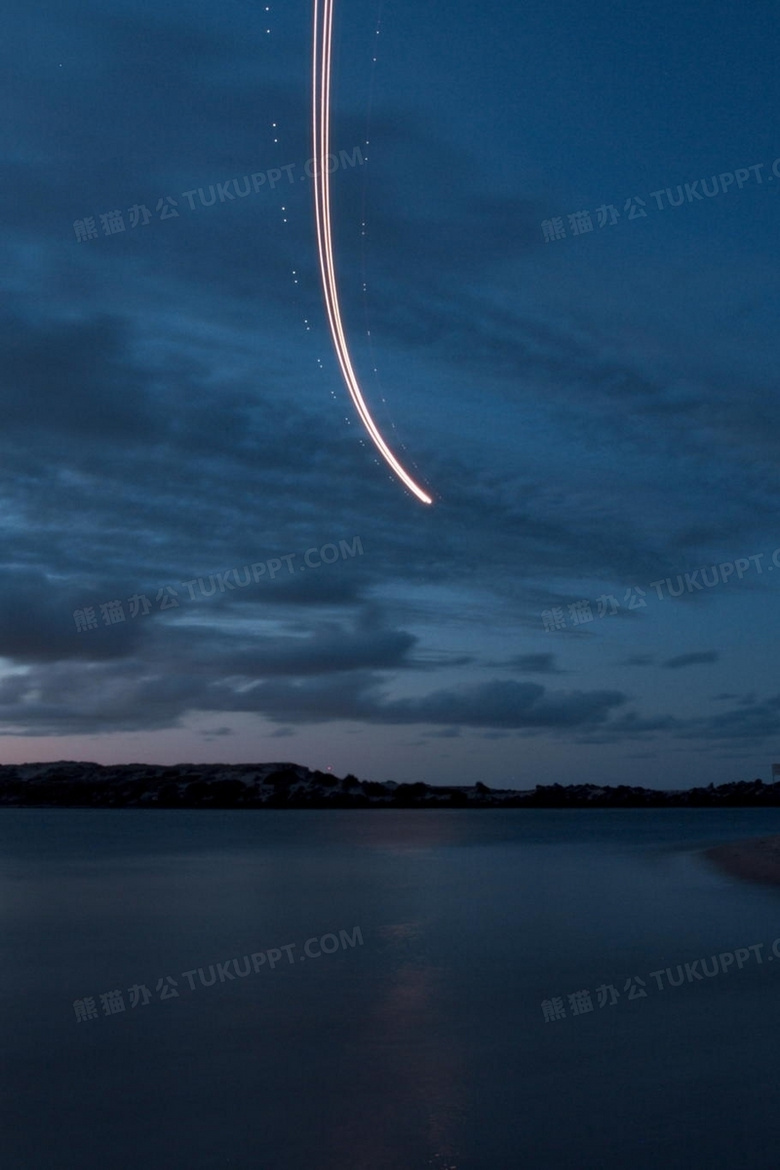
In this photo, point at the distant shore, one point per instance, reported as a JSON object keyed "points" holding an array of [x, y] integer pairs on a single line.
{"points": [[82, 784], [756, 860]]}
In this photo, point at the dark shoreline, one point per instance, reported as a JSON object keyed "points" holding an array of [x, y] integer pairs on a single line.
{"points": [[70, 784]]}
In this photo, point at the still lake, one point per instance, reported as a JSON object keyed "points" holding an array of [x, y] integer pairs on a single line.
{"points": [[424, 1047]]}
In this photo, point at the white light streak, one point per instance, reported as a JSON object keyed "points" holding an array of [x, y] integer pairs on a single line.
{"points": [[323, 33]]}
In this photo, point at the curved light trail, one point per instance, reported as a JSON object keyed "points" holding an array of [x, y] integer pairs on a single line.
{"points": [[323, 34]]}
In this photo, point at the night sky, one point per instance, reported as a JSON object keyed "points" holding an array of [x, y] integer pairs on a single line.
{"points": [[577, 363]]}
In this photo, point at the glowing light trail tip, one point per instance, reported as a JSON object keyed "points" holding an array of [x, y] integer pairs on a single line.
{"points": [[323, 33]]}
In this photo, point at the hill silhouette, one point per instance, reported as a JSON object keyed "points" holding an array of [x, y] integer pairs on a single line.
{"points": [[71, 784]]}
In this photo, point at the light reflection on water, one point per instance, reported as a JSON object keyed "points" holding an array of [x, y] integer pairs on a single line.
{"points": [[423, 1048]]}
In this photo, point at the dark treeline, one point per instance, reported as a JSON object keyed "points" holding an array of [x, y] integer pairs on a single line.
{"points": [[84, 785]]}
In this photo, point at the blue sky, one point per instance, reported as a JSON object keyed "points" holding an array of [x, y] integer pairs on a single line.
{"points": [[592, 401]]}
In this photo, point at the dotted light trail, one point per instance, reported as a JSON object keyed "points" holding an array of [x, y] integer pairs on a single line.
{"points": [[323, 32]]}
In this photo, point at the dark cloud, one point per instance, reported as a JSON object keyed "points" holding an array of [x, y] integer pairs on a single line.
{"points": [[325, 682], [74, 380], [37, 624], [694, 659], [329, 648], [216, 732], [756, 722], [495, 704], [507, 704], [534, 664]]}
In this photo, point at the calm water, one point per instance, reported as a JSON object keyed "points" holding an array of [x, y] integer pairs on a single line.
{"points": [[424, 1047]]}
